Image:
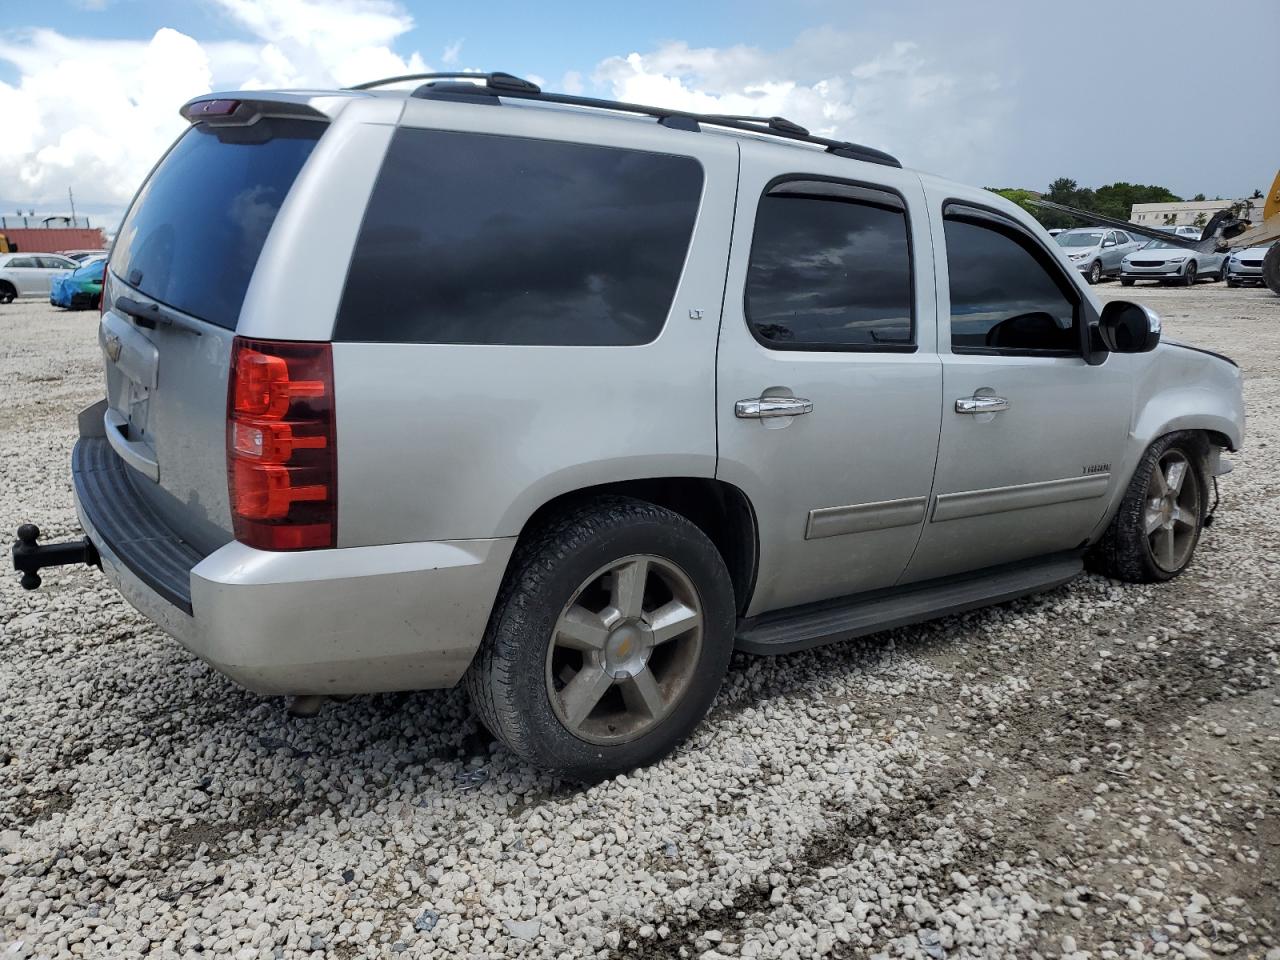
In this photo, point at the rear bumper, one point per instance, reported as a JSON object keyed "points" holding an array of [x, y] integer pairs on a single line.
{"points": [[353, 620]]}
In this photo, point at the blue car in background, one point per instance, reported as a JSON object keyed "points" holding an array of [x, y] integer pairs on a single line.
{"points": [[79, 289]]}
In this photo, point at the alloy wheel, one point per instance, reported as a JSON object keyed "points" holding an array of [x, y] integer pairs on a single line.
{"points": [[624, 649], [1095, 272], [1172, 514]]}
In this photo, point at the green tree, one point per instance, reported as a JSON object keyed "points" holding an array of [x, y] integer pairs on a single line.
{"points": [[1198, 197]]}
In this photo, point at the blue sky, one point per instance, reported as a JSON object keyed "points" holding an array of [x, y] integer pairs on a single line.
{"points": [[993, 92]]}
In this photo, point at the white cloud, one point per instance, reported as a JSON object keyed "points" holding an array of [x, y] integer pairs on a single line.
{"points": [[94, 115], [835, 83], [451, 51]]}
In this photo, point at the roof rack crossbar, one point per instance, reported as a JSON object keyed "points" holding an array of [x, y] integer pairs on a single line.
{"points": [[506, 85]]}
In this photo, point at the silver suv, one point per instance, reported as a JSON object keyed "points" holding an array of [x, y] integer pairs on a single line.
{"points": [[568, 399], [1098, 252]]}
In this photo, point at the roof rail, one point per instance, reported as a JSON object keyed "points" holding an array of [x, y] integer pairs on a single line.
{"points": [[491, 85]]}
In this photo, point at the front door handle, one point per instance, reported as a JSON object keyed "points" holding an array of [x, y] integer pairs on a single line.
{"points": [[766, 408], [981, 405]]}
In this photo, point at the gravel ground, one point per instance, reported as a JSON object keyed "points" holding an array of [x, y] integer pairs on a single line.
{"points": [[1092, 772]]}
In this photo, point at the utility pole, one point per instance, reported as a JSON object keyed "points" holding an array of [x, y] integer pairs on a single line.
{"points": [[71, 197]]}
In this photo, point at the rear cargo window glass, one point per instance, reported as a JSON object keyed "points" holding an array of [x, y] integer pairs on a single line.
{"points": [[193, 235], [475, 238]]}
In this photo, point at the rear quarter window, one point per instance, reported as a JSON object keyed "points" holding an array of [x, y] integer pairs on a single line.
{"points": [[194, 233], [483, 239]]}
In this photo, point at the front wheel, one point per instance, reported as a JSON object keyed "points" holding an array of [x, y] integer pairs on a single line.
{"points": [[1095, 272], [1189, 278], [1126, 283], [608, 641], [1154, 533]]}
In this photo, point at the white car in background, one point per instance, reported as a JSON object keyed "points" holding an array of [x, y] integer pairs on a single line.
{"points": [[1097, 252], [1245, 266], [30, 274], [1168, 263]]}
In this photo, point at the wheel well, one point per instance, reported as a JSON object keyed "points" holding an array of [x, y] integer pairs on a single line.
{"points": [[718, 509], [8, 287]]}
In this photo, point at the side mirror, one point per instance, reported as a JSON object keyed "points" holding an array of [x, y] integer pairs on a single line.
{"points": [[1108, 243], [1127, 327]]}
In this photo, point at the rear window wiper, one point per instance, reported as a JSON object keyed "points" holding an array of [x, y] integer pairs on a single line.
{"points": [[153, 315]]}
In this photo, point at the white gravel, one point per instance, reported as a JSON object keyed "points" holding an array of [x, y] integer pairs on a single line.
{"points": [[1088, 773]]}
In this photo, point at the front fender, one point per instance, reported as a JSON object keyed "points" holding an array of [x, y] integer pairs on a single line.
{"points": [[1178, 388]]}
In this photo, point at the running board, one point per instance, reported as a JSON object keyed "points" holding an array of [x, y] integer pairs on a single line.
{"points": [[815, 624]]}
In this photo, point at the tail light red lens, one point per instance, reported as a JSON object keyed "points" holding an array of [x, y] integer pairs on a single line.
{"points": [[281, 458]]}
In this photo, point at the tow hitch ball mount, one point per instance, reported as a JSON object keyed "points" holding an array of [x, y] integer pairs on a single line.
{"points": [[29, 556]]}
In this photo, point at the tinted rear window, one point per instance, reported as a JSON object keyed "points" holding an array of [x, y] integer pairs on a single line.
{"points": [[193, 235], [475, 238]]}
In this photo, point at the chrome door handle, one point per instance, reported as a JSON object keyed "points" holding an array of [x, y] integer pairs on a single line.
{"points": [[765, 408], [981, 405]]}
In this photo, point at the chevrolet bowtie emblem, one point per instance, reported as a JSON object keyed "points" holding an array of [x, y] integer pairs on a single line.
{"points": [[114, 346]]}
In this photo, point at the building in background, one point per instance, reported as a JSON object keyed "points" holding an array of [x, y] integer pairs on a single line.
{"points": [[50, 232], [1191, 213]]}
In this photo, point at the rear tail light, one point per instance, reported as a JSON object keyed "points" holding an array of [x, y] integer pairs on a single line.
{"points": [[281, 457]]}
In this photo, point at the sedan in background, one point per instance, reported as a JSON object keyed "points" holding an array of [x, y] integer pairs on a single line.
{"points": [[84, 256], [81, 289], [30, 274], [1245, 266], [1097, 253], [1172, 263]]}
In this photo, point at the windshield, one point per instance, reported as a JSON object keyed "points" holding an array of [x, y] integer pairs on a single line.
{"points": [[1163, 245], [193, 235], [1080, 239]]}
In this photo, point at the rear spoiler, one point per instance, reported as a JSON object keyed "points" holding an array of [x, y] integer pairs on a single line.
{"points": [[1216, 235], [244, 107]]}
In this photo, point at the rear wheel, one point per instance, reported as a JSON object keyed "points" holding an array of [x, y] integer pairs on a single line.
{"points": [[1189, 277], [1095, 272], [1222, 271], [608, 641], [1154, 533], [7, 292]]}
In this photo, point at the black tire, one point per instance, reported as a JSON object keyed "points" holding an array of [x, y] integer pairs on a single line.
{"points": [[1126, 283], [1095, 273], [508, 679], [1222, 271], [1189, 276], [1124, 552], [1271, 269], [1232, 283], [7, 292]]}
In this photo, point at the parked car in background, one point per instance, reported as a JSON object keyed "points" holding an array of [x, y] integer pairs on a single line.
{"points": [[1097, 253], [84, 255], [30, 274], [1245, 266], [80, 289], [1169, 263]]}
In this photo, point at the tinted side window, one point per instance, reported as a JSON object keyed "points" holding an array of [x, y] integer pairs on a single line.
{"points": [[24, 262], [830, 271], [1003, 296], [474, 238]]}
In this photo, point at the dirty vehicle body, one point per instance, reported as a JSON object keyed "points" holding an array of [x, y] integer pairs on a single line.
{"points": [[577, 400]]}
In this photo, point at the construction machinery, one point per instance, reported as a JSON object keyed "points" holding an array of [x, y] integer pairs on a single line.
{"points": [[1224, 231]]}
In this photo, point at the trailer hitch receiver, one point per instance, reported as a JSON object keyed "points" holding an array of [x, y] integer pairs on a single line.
{"points": [[29, 556]]}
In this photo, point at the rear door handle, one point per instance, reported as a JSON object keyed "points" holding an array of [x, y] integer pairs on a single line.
{"points": [[766, 408], [981, 405]]}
